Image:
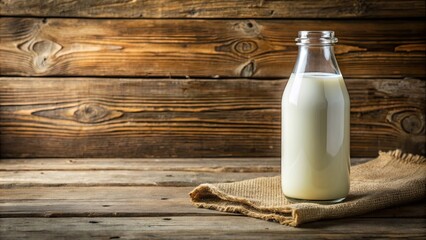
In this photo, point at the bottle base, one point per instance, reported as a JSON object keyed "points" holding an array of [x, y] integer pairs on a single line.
{"points": [[325, 202]]}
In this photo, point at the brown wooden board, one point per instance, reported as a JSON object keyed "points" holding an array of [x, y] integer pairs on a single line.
{"points": [[202, 48], [150, 164], [160, 212], [129, 201], [133, 172], [206, 227], [120, 178], [215, 9], [105, 117]]}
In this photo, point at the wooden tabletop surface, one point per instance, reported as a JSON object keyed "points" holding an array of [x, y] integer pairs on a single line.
{"points": [[148, 199]]}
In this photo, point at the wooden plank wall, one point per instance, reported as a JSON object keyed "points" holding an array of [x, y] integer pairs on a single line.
{"points": [[159, 78]]}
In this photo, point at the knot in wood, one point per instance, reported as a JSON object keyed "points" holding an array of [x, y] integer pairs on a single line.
{"points": [[248, 69], [245, 47], [412, 123], [90, 113], [248, 27], [44, 52]]}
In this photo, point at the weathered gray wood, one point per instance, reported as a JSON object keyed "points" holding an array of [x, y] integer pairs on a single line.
{"points": [[106, 117], [206, 227], [159, 212], [99, 202], [150, 164], [214, 8], [128, 202], [184, 172], [205, 48], [147, 164], [64, 172], [119, 178]]}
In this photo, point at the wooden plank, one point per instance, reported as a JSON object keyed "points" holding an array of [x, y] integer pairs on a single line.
{"points": [[10, 179], [129, 202], [105, 117], [85, 176], [203, 48], [99, 202], [215, 9], [211, 227], [148, 164]]}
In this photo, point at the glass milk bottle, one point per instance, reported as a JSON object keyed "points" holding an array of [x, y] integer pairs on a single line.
{"points": [[315, 157]]}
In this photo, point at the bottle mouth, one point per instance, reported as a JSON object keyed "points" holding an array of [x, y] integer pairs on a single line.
{"points": [[316, 38]]}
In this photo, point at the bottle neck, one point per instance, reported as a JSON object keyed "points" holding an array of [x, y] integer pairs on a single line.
{"points": [[318, 58]]}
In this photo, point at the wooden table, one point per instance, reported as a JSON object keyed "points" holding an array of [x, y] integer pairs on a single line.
{"points": [[148, 199]]}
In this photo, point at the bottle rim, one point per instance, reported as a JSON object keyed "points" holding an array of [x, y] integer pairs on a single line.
{"points": [[319, 38]]}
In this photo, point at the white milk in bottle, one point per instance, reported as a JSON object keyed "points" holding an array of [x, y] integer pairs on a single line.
{"points": [[315, 124]]}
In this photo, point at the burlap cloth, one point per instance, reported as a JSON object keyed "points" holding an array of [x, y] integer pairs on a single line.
{"points": [[391, 179]]}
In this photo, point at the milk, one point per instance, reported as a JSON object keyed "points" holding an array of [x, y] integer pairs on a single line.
{"points": [[315, 137]]}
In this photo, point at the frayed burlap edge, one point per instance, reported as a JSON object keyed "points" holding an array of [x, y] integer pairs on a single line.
{"points": [[398, 155], [218, 200]]}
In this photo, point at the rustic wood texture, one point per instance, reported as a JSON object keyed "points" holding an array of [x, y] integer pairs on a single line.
{"points": [[207, 227], [150, 164], [120, 178], [164, 212], [108, 201], [133, 172], [242, 49], [214, 8], [189, 117], [202, 48], [129, 201]]}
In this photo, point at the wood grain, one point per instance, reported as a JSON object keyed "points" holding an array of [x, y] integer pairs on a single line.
{"points": [[119, 178], [130, 201], [214, 9], [202, 48], [242, 49], [150, 164], [120, 201], [160, 212], [92, 117], [208, 227], [12, 175]]}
